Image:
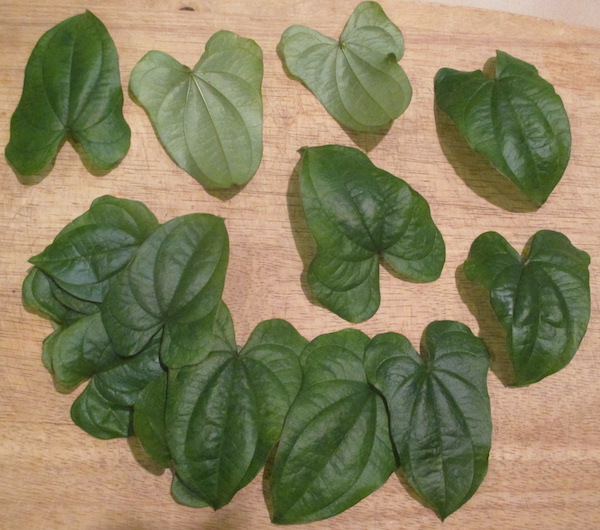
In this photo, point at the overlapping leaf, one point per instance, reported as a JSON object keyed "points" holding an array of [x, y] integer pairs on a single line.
{"points": [[176, 278], [72, 88], [515, 119], [224, 414], [335, 446], [439, 409], [357, 79], [542, 300], [356, 212], [92, 248], [208, 119]]}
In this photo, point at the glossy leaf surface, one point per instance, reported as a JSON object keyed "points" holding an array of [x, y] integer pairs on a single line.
{"points": [[335, 446], [357, 79], [176, 278], [100, 418], [92, 248], [225, 414], [38, 296], [542, 300], [72, 88], [357, 212], [149, 420], [514, 118], [208, 119], [439, 410]]}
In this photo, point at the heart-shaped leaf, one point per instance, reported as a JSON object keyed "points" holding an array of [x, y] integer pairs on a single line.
{"points": [[208, 119], [335, 446], [176, 277], [356, 212], [357, 79], [439, 410], [72, 88], [542, 300], [515, 119], [225, 414]]}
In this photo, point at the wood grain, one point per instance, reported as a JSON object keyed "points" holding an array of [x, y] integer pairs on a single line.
{"points": [[545, 462]]}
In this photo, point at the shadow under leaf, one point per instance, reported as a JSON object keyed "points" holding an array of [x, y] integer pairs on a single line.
{"points": [[142, 458], [476, 298], [367, 141], [476, 171], [305, 244]]}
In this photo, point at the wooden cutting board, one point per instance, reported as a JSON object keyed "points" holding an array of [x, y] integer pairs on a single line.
{"points": [[545, 461]]}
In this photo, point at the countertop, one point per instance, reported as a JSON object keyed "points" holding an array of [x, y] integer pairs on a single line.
{"points": [[544, 469]]}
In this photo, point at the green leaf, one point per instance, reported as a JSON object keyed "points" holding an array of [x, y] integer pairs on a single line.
{"points": [[122, 383], [186, 343], [225, 414], [79, 351], [439, 410], [541, 300], [356, 212], [208, 119], [175, 278], [38, 297], [515, 119], [105, 407], [97, 416], [357, 79], [91, 249], [185, 496], [72, 88], [149, 420], [335, 446]]}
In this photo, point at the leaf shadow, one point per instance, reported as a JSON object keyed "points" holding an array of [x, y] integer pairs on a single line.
{"points": [[86, 161], [476, 298], [32, 180], [142, 458], [266, 479], [476, 171], [305, 244], [412, 492], [367, 141]]}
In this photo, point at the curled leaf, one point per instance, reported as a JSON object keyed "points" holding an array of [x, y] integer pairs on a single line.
{"points": [[357, 79]]}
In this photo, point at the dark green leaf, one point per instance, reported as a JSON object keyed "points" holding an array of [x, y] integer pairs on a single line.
{"points": [[97, 416], [515, 119], [541, 300], [335, 446], [225, 414], [122, 383], [79, 351], [185, 343], [149, 420], [208, 119], [357, 79], [176, 278], [72, 88], [96, 245], [356, 212], [185, 496], [38, 297], [439, 410]]}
